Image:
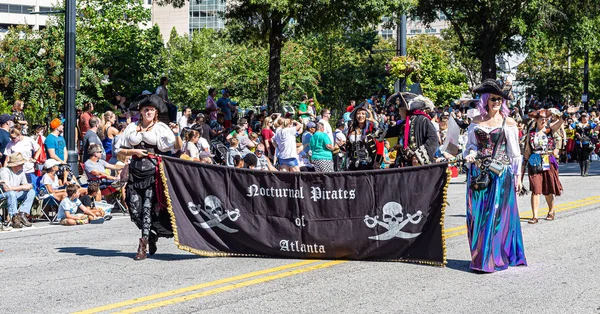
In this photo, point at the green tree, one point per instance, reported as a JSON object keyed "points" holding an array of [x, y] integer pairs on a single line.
{"points": [[113, 53], [351, 64], [485, 28], [441, 79], [31, 69], [128, 53], [211, 59]]}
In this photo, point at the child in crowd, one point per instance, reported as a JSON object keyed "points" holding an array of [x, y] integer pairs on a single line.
{"points": [[68, 207], [93, 195], [254, 138], [233, 152]]}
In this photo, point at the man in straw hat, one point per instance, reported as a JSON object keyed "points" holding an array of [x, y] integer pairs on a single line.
{"points": [[17, 189]]}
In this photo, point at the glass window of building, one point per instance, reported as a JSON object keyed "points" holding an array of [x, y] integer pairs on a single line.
{"points": [[207, 14]]}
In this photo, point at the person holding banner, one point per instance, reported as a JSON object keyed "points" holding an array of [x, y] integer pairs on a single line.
{"points": [[493, 151], [145, 140]]}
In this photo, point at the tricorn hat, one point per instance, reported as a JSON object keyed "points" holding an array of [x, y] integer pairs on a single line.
{"points": [[410, 101], [149, 100], [491, 86], [362, 106]]}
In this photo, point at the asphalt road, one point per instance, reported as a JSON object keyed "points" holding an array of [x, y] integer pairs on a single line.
{"points": [[56, 269]]}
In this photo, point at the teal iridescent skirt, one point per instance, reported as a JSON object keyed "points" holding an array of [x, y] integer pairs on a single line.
{"points": [[493, 225]]}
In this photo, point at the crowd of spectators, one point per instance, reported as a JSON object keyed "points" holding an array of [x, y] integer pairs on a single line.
{"points": [[303, 137]]}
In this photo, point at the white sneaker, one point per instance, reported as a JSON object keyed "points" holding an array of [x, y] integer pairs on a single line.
{"points": [[5, 227]]}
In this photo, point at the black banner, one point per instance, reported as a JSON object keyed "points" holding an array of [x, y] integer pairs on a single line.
{"points": [[394, 214]]}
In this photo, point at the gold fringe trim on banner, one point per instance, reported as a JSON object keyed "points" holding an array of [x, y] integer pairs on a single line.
{"points": [[442, 219], [227, 254], [176, 234]]}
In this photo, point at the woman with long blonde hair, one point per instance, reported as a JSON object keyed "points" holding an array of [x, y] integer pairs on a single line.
{"points": [[108, 132], [267, 136]]}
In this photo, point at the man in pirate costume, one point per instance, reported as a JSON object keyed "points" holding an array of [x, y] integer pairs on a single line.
{"points": [[417, 138]]}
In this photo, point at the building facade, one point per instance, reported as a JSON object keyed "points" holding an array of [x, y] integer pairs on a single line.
{"points": [[18, 12], [415, 27], [194, 15]]}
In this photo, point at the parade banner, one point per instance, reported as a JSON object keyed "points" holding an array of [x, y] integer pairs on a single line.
{"points": [[394, 214]]}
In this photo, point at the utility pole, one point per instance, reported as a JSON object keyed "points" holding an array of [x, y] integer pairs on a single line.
{"points": [[69, 100], [400, 85], [586, 80]]}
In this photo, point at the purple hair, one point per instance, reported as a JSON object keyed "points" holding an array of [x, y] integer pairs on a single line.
{"points": [[483, 107]]}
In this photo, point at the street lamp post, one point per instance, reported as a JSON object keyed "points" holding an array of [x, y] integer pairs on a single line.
{"points": [[70, 82], [400, 85], [70, 111]]}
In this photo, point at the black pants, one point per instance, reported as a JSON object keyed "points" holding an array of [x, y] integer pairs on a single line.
{"points": [[140, 202]]}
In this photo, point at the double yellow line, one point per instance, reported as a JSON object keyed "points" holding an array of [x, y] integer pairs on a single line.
{"points": [[266, 275], [460, 230], [280, 272]]}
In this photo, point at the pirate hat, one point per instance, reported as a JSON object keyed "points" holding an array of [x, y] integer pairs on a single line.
{"points": [[362, 106], [491, 86], [410, 101], [149, 100]]}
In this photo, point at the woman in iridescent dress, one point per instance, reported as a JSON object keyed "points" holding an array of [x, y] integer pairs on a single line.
{"points": [[493, 225]]}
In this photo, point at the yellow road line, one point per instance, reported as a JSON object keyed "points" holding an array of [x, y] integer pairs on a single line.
{"points": [[580, 202], [230, 287], [557, 210], [447, 233], [196, 287]]}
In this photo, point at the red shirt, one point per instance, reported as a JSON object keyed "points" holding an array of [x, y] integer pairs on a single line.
{"points": [[267, 134], [84, 123]]}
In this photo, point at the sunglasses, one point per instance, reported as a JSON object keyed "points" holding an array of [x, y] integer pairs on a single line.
{"points": [[258, 151], [495, 99]]}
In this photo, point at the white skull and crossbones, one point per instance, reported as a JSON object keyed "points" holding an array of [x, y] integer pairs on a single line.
{"points": [[393, 221], [214, 212]]}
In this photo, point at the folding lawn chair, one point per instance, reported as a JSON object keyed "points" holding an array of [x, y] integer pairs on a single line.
{"points": [[44, 201]]}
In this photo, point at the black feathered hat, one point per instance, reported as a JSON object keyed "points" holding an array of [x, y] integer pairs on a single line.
{"points": [[149, 100], [491, 86], [410, 101]]}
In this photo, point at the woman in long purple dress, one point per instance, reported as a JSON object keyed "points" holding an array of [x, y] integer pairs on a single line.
{"points": [[493, 225]]}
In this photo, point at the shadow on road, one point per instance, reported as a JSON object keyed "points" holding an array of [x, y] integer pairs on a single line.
{"points": [[86, 251], [572, 169], [461, 265]]}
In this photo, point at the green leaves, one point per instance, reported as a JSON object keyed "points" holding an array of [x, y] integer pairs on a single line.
{"points": [[113, 52], [211, 59]]}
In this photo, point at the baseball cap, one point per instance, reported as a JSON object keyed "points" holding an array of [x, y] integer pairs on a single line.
{"points": [[56, 123], [311, 125], [5, 118], [51, 163]]}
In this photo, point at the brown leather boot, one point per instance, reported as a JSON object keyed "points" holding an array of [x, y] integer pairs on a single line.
{"points": [[24, 220], [141, 253], [16, 222]]}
